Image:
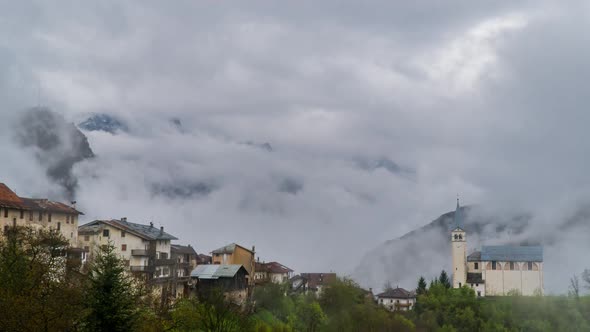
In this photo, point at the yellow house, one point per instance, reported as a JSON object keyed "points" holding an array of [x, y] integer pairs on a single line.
{"points": [[38, 213], [236, 254]]}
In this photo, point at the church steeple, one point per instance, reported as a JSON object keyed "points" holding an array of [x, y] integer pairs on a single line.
{"points": [[458, 216]]}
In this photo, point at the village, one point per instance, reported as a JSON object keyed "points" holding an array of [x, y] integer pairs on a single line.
{"points": [[176, 270]]}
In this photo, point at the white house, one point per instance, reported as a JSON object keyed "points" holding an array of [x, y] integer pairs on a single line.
{"points": [[397, 299]]}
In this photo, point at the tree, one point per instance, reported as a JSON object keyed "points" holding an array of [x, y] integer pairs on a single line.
{"points": [[39, 285], [586, 278], [421, 290], [387, 286], [112, 296], [574, 289], [444, 279]]}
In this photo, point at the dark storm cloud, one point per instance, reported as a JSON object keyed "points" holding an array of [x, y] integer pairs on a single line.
{"points": [[482, 98]]}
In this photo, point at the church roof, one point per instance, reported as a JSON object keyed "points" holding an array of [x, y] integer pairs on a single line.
{"points": [[512, 253], [474, 256]]}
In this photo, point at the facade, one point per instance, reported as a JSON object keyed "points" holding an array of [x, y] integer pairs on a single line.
{"points": [[272, 272], [312, 282], [185, 258], [145, 248], [203, 259], [495, 270], [235, 254], [397, 299], [231, 279], [38, 213]]}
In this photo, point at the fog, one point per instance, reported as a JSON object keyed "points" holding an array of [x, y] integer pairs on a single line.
{"points": [[377, 114]]}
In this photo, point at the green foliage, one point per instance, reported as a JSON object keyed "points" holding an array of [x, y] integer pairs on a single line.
{"points": [[444, 279], [39, 288], [111, 295], [421, 289]]}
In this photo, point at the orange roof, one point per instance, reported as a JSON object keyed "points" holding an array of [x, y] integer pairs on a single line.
{"points": [[9, 199]]}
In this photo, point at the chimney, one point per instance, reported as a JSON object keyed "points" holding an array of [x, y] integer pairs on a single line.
{"points": [[258, 259], [161, 229], [124, 219], [151, 224], [253, 249], [371, 290]]}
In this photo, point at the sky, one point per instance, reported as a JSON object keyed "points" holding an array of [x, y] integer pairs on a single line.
{"points": [[483, 99]]}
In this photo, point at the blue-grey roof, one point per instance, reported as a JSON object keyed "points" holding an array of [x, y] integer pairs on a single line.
{"points": [[512, 253], [216, 271], [148, 232]]}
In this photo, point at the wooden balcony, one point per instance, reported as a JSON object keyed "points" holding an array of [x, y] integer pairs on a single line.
{"points": [[139, 252]]}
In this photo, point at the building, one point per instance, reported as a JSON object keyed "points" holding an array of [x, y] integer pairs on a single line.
{"points": [[397, 299], [203, 259], [495, 270], [231, 279], [38, 213], [312, 282], [186, 260], [272, 272], [145, 249], [236, 254]]}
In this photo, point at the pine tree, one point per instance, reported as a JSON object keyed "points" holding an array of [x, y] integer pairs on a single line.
{"points": [[444, 279], [112, 297], [421, 290]]}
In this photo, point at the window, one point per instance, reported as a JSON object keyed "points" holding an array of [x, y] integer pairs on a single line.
{"points": [[476, 266], [476, 285], [530, 266], [67, 218], [72, 235], [22, 214], [478, 293], [5, 212], [105, 232], [493, 265], [86, 237], [122, 233], [30, 215], [40, 216], [459, 285], [49, 217], [58, 226], [511, 266], [86, 248], [123, 247]]}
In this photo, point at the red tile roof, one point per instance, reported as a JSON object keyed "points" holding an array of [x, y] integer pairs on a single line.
{"points": [[318, 279], [272, 267], [9, 199]]}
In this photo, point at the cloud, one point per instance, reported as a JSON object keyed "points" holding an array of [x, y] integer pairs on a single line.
{"points": [[485, 99]]}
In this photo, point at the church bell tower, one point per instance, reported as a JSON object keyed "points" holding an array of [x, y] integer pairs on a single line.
{"points": [[459, 250]]}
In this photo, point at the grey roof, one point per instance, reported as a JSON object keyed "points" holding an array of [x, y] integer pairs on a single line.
{"points": [[474, 256], [397, 293], [229, 249], [458, 217], [148, 232], [178, 249], [512, 253], [216, 271]]}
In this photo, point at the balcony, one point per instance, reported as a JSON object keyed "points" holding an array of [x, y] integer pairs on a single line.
{"points": [[164, 261], [142, 268], [139, 252]]}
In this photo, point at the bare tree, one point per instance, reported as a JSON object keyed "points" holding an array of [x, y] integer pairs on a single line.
{"points": [[574, 290], [586, 278]]}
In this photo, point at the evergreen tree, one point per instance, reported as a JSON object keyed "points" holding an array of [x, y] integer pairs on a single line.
{"points": [[444, 279], [112, 296], [421, 286]]}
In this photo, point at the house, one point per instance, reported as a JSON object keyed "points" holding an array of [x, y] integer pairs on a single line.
{"points": [[495, 270], [186, 260], [38, 213], [145, 248], [272, 272], [312, 282], [397, 299], [204, 259], [231, 279], [232, 254]]}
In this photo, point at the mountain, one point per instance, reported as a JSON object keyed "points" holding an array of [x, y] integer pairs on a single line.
{"points": [[373, 164], [59, 145], [425, 251], [103, 122]]}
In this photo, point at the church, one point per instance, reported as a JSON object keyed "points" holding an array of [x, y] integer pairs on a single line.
{"points": [[495, 270]]}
